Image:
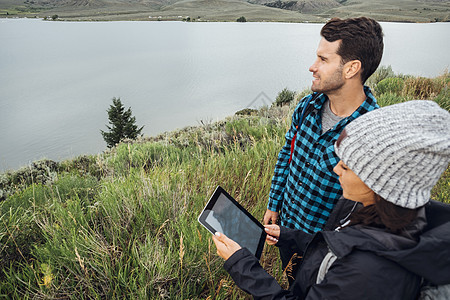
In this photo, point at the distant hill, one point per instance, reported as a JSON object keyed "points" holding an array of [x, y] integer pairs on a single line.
{"points": [[230, 10], [303, 6], [398, 10]]}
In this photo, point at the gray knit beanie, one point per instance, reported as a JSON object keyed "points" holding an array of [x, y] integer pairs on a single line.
{"points": [[399, 151]]}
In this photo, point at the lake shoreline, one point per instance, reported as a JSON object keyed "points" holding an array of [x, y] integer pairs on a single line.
{"points": [[171, 74], [404, 11], [87, 20]]}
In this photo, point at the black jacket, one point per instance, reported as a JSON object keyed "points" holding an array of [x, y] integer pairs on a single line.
{"points": [[371, 263]]}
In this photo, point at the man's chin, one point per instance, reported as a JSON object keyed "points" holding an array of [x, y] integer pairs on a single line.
{"points": [[315, 89]]}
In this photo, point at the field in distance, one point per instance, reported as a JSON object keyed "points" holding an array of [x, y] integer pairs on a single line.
{"points": [[229, 10]]}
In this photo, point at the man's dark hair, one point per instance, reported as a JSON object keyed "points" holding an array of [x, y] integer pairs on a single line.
{"points": [[361, 39]]}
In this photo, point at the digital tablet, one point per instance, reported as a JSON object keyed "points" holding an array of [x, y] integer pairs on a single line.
{"points": [[224, 214]]}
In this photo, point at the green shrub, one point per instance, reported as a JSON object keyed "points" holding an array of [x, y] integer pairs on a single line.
{"points": [[41, 171], [241, 19], [247, 112], [393, 85], [389, 99], [284, 97], [84, 165], [381, 73]]}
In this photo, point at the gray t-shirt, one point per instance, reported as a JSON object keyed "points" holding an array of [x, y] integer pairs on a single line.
{"points": [[329, 119]]}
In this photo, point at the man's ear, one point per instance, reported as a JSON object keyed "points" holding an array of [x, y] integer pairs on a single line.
{"points": [[352, 68]]}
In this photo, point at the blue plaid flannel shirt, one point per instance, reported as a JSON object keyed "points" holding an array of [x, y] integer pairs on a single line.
{"points": [[305, 191]]}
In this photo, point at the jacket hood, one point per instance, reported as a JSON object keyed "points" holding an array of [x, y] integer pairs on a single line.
{"points": [[420, 249]]}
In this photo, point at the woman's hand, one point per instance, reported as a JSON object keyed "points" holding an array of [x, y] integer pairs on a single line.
{"points": [[225, 246], [273, 234]]}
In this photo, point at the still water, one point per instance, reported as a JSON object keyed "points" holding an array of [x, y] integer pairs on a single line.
{"points": [[57, 79]]}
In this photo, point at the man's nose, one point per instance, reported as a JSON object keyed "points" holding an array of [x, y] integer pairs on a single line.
{"points": [[313, 67]]}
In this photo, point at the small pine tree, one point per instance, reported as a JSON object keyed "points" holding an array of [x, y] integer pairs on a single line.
{"points": [[122, 124]]}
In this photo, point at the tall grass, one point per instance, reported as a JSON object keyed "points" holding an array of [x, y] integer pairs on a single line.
{"points": [[134, 233], [124, 224], [390, 88]]}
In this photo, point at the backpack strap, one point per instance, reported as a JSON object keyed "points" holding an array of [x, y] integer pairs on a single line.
{"points": [[305, 111], [327, 261]]}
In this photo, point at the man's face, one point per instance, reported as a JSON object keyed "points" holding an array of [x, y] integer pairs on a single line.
{"points": [[327, 69]]}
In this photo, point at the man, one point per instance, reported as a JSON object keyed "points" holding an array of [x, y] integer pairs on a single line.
{"points": [[304, 187]]}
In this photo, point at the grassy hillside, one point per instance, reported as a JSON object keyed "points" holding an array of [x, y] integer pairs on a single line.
{"points": [[200, 10], [124, 224], [397, 11], [230, 10]]}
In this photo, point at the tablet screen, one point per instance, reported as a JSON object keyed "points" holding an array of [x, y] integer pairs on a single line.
{"points": [[224, 214]]}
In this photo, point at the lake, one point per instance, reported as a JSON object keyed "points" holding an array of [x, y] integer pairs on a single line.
{"points": [[57, 79]]}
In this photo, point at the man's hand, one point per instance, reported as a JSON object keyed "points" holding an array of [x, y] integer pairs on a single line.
{"points": [[270, 217], [273, 234], [225, 246]]}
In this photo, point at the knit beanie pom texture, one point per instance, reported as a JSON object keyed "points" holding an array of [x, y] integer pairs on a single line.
{"points": [[399, 151]]}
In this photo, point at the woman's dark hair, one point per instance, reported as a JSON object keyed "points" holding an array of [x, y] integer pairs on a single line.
{"points": [[341, 137], [384, 214], [361, 39]]}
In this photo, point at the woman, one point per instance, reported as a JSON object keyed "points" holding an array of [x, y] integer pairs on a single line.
{"points": [[382, 245]]}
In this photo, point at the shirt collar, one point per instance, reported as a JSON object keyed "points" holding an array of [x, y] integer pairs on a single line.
{"points": [[369, 104]]}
